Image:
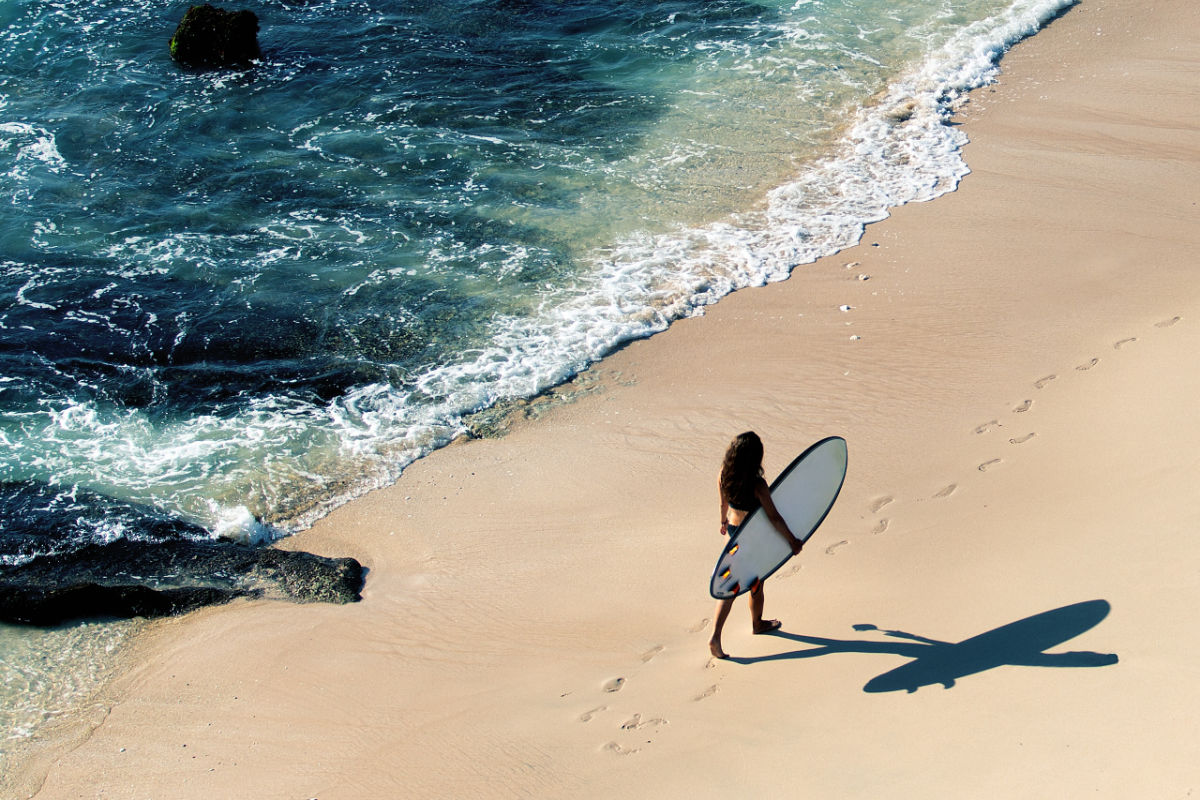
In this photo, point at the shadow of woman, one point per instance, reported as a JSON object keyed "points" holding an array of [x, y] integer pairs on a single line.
{"points": [[1022, 643]]}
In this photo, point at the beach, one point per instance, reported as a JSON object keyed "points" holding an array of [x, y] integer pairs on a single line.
{"points": [[1012, 366]]}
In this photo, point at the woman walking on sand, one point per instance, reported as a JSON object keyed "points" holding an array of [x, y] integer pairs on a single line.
{"points": [[743, 490]]}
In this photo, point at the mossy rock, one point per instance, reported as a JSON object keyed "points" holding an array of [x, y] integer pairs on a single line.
{"points": [[211, 37], [153, 579]]}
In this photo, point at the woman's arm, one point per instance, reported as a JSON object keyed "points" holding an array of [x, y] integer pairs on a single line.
{"points": [[763, 493], [724, 510]]}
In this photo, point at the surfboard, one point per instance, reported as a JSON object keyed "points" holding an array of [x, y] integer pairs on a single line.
{"points": [[803, 493]]}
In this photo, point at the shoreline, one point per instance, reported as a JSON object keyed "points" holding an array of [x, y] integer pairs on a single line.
{"points": [[535, 606]]}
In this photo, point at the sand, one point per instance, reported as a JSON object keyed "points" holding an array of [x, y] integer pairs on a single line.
{"points": [[1019, 406]]}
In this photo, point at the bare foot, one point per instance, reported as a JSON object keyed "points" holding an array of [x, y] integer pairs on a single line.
{"points": [[714, 647], [768, 625]]}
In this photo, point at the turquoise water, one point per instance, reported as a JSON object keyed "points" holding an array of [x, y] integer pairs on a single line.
{"points": [[245, 297]]}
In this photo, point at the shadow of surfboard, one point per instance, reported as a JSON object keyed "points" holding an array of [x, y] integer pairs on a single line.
{"points": [[1022, 643]]}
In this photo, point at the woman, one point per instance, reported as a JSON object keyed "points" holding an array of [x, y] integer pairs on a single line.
{"points": [[743, 490]]}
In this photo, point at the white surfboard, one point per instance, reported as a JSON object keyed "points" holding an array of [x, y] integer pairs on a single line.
{"points": [[803, 493]]}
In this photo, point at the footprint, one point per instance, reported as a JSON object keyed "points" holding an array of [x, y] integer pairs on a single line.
{"points": [[1021, 409], [614, 685], [985, 466], [1166, 323], [1088, 365], [1040, 382], [878, 503], [947, 491], [985, 427], [699, 626], [881, 526], [1123, 342], [709, 692], [615, 748], [1022, 439], [587, 715], [651, 653], [829, 550], [789, 572], [635, 723]]}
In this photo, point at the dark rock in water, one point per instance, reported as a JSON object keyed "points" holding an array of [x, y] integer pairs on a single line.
{"points": [[182, 346], [37, 519], [157, 565], [212, 37], [144, 579]]}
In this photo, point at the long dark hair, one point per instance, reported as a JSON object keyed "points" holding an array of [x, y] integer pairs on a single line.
{"points": [[743, 467]]}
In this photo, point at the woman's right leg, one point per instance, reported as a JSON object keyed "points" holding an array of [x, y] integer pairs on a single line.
{"points": [[758, 599]]}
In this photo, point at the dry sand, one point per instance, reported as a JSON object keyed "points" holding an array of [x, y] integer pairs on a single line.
{"points": [[1023, 438]]}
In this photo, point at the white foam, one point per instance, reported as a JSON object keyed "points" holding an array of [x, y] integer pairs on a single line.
{"points": [[29, 143], [239, 525]]}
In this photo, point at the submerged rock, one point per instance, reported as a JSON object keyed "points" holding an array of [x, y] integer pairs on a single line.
{"points": [[212, 37], [152, 579], [37, 519], [901, 113]]}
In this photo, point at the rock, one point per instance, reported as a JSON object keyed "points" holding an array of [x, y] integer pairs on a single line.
{"points": [[152, 579], [211, 37], [37, 519], [57, 561]]}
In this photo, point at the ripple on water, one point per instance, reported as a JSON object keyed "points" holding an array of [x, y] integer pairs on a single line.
{"points": [[45, 674]]}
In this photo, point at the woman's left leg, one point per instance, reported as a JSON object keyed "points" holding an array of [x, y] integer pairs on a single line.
{"points": [[714, 644]]}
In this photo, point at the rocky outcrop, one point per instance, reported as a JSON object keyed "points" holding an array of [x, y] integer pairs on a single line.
{"points": [[211, 37], [151, 579]]}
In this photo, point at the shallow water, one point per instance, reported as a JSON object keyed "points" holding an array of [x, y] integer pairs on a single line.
{"points": [[245, 297], [45, 674]]}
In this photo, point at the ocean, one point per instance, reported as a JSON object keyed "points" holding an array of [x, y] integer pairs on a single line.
{"points": [[240, 298]]}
